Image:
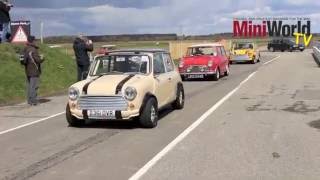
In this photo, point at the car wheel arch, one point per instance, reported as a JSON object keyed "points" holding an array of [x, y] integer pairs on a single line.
{"points": [[147, 96]]}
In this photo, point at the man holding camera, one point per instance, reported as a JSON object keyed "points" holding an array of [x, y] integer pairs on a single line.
{"points": [[32, 61], [81, 47], [5, 20]]}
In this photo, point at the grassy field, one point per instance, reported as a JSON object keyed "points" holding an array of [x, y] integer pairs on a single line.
{"points": [[67, 48], [59, 71]]}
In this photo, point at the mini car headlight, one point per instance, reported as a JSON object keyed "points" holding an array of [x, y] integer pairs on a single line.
{"points": [[130, 93], [181, 64], [73, 94], [210, 63]]}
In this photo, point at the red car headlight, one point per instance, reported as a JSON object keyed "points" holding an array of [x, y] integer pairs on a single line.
{"points": [[181, 64], [210, 63]]}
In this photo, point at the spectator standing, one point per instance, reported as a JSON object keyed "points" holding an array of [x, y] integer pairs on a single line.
{"points": [[32, 62], [81, 47], [5, 20]]}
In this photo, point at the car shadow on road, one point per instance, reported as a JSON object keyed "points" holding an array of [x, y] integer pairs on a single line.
{"points": [[123, 125]]}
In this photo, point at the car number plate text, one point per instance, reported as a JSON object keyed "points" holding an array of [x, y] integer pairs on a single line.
{"points": [[194, 76], [101, 114]]}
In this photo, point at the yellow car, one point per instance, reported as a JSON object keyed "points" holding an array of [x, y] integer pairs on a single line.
{"points": [[244, 52]]}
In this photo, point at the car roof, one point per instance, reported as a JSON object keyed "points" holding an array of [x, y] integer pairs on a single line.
{"points": [[207, 44], [107, 46], [243, 42], [138, 51]]}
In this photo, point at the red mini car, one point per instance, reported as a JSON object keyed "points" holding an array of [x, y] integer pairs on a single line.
{"points": [[204, 61], [106, 48]]}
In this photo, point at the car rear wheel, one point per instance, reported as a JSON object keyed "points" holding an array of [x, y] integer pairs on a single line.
{"points": [[227, 72], [179, 102], [73, 121], [301, 50], [149, 115]]}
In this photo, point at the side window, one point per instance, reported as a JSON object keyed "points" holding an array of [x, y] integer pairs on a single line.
{"points": [[223, 51], [219, 51], [168, 62], [158, 65]]}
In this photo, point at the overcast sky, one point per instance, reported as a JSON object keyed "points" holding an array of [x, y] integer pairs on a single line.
{"points": [[99, 17]]}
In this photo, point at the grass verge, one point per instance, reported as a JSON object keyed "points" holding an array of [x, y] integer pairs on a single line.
{"points": [[58, 72]]}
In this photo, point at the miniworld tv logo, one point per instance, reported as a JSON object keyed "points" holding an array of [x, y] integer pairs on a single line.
{"points": [[296, 27]]}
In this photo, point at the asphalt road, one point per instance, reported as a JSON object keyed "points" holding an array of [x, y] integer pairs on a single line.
{"points": [[267, 129]]}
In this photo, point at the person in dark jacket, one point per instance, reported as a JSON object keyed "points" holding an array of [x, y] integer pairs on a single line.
{"points": [[32, 62], [81, 47], [5, 20]]}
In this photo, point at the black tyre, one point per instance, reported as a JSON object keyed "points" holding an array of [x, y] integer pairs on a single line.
{"points": [[272, 49], [179, 102], [253, 61], [258, 60], [183, 78], [149, 115], [216, 76], [73, 121], [301, 50], [227, 72]]}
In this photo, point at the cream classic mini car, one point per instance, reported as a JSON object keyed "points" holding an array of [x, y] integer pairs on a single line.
{"points": [[126, 85]]}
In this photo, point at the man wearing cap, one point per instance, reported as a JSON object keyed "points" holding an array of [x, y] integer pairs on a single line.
{"points": [[32, 62], [5, 20]]}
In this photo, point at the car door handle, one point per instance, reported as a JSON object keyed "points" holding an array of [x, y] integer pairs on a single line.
{"points": [[170, 79]]}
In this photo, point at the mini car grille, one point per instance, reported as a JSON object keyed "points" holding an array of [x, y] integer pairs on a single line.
{"points": [[117, 103], [192, 69]]}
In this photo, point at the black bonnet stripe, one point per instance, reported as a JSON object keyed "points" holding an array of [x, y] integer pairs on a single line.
{"points": [[121, 83], [86, 86]]}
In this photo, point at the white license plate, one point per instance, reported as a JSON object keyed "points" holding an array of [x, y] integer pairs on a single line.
{"points": [[195, 76], [101, 114]]}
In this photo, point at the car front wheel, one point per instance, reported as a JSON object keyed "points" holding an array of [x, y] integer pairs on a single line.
{"points": [[149, 115], [271, 49], [216, 77], [73, 121]]}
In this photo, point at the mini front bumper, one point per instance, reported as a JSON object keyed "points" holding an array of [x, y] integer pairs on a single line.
{"points": [[120, 115], [197, 73]]}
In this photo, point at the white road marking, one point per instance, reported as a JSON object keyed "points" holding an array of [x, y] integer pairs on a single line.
{"points": [[31, 123], [271, 60], [186, 132]]}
